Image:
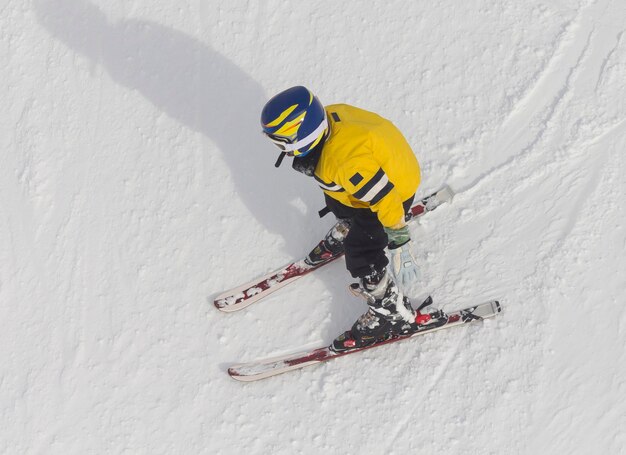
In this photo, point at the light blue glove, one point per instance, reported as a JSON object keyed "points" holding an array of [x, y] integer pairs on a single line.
{"points": [[403, 266]]}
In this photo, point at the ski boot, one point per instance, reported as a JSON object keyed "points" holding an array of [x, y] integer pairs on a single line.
{"points": [[390, 313], [331, 246]]}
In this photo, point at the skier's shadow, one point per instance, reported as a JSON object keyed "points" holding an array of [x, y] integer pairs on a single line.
{"points": [[208, 93], [200, 88]]}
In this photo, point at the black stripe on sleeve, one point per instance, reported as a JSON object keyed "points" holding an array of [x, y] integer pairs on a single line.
{"points": [[382, 193], [368, 186], [333, 187]]}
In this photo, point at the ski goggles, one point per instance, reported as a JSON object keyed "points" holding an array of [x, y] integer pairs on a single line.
{"points": [[292, 148]]}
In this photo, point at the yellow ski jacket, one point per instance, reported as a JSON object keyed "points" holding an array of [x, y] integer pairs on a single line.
{"points": [[367, 163]]}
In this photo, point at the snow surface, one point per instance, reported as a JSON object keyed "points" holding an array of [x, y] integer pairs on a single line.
{"points": [[134, 186]]}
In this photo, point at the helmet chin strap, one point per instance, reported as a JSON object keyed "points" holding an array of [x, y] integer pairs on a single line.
{"points": [[282, 155], [280, 159]]}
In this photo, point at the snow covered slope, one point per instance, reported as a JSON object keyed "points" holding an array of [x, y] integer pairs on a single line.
{"points": [[134, 185]]}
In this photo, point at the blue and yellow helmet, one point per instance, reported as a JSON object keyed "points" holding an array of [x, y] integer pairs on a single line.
{"points": [[295, 121]]}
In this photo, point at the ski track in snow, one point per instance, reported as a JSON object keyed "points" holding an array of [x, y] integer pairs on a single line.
{"points": [[134, 181]]}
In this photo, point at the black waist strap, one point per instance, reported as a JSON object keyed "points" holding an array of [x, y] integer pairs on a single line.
{"points": [[325, 211]]}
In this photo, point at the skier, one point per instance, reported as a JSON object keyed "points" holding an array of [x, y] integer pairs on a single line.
{"points": [[369, 176]]}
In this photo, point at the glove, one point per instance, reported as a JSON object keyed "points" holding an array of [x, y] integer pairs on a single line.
{"points": [[403, 266], [402, 261]]}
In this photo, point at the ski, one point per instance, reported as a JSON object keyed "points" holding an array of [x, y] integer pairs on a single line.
{"points": [[253, 371], [248, 293]]}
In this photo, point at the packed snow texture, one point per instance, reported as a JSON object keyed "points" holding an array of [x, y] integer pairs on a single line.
{"points": [[135, 186]]}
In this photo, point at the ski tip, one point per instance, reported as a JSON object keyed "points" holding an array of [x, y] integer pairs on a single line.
{"points": [[228, 308], [232, 372], [222, 305], [232, 303], [447, 193], [244, 376]]}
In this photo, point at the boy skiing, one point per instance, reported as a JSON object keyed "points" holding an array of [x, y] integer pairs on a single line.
{"points": [[369, 176]]}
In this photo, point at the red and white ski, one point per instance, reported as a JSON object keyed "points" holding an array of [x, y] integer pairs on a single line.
{"points": [[261, 369], [248, 293]]}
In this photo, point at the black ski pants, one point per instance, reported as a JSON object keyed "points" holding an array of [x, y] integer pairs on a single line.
{"points": [[366, 241]]}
